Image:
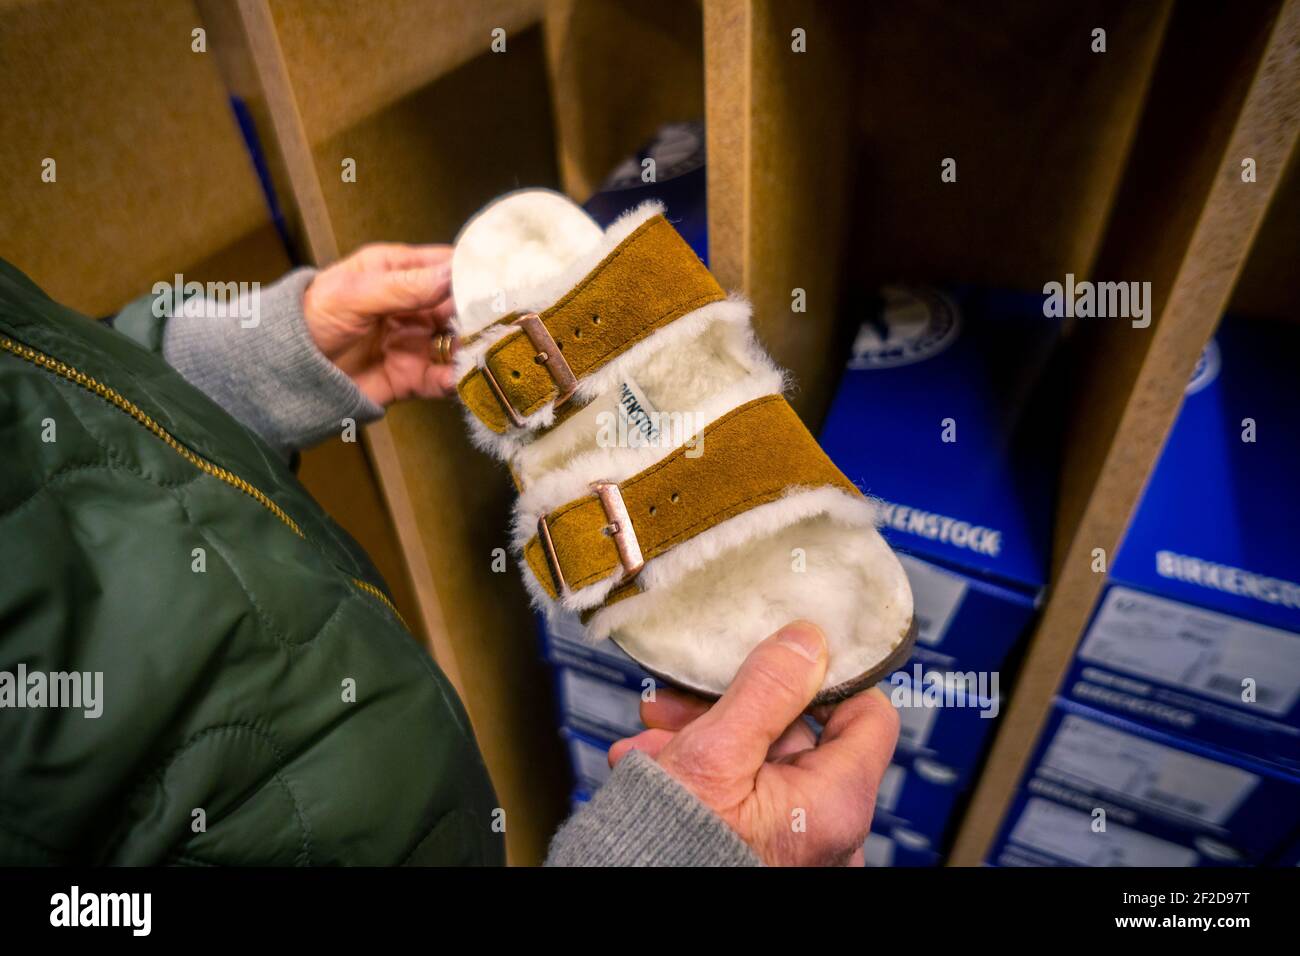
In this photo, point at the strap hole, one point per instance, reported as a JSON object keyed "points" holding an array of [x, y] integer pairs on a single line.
{"points": [[675, 497], [577, 333], [595, 320], [653, 509], [515, 373]]}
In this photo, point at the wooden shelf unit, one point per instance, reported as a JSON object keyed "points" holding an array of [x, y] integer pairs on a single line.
{"points": [[1186, 220], [1120, 165]]}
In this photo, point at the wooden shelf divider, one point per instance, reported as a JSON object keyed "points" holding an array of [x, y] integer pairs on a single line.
{"points": [[778, 212]]}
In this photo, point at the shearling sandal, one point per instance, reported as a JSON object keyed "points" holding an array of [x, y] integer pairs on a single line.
{"points": [[667, 491]]}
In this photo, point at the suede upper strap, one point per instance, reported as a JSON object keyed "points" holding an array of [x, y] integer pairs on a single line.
{"points": [[752, 455], [652, 278]]}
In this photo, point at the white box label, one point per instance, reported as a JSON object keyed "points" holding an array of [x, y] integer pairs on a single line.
{"points": [[1068, 835], [1092, 754], [1202, 651], [936, 595]]}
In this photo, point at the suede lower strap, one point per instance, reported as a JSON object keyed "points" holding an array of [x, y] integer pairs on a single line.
{"points": [[650, 280], [751, 456]]}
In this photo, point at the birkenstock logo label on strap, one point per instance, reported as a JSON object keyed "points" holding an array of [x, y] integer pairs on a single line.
{"points": [[636, 411], [936, 527], [636, 423]]}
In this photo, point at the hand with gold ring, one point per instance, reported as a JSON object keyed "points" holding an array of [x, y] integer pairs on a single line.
{"points": [[383, 316]]}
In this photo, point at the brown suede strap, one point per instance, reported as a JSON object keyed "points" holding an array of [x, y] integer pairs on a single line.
{"points": [[752, 455], [651, 279]]}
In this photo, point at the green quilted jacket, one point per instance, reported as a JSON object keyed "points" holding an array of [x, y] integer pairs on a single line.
{"points": [[260, 701]]}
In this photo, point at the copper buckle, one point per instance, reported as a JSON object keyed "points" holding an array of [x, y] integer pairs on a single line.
{"points": [[548, 354], [619, 528]]}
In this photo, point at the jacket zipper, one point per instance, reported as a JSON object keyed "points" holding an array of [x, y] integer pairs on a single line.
{"points": [[117, 399]]}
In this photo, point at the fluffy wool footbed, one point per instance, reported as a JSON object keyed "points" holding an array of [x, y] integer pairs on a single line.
{"points": [[704, 605]]}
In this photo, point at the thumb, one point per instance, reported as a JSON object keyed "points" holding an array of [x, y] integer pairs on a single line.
{"points": [[773, 687]]}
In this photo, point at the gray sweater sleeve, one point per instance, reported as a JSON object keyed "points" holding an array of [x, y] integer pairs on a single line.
{"points": [[643, 817], [259, 363]]}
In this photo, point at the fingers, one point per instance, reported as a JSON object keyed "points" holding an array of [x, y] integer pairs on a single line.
{"points": [[444, 312], [400, 255], [648, 741], [772, 688], [671, 709], [435, 319], [797, 738], [438, 381], [381, 293], [408, 367], [856, 745]]}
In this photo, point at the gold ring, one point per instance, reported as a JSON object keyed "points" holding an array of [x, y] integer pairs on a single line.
{"points": [[443, 347]]}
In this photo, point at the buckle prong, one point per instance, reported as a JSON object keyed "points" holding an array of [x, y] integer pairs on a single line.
{"points": [[620, 527], [549, 354]]}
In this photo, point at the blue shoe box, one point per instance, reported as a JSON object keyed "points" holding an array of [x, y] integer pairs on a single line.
{"points": [[579, 798], [917, 794], [1046, 833], [945, 717], [1043, 832], [677, 151], [942, 736], [1198, 629], [942, 415], [598, 689], [964, 621], [898, 848], [596, 706], [589, 758], [563, 645], [1228, 806]]}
